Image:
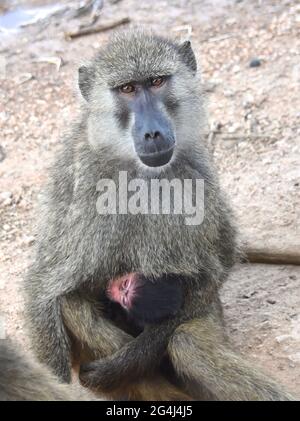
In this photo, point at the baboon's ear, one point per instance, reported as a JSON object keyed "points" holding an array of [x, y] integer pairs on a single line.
{"points": [[187, 55], [86, 77]]}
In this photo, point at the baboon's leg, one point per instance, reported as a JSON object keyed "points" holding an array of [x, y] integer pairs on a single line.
{"points": [[204, 361], [154, 388], [24, 379]]}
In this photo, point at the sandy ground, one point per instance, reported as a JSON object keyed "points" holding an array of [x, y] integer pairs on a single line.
{"points": [[254, 110]]}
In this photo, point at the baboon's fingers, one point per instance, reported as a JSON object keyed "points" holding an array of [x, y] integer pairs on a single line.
{"points": [[211, 369], [152, 387], [133, 362]]}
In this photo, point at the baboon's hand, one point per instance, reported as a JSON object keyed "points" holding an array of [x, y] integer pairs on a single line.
{"points": [[130, 363], [99, 375]]}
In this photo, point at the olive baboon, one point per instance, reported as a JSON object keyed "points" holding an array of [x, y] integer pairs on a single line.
{"points": [[143, 115]]}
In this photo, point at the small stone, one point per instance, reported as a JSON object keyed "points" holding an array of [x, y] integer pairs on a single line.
{"points": [[5, 195], [255, 62], [6, 227], [270, 301], [209, 86], [7, 202], [295, 358], [216, 126], [234, 128], [29, 240], [236, 68], [250, 294], [228, 93], [23, 78], [282, 338], [248, 101]]}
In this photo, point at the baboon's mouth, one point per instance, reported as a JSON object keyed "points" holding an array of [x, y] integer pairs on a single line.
{"points": [[157, 159]]}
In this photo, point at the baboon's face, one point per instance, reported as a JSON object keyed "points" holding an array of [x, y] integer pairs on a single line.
{"points": [[142, 98], [151, 127]]}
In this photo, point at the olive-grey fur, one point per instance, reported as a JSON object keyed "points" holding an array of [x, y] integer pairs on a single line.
{"points": [[23, 379]]}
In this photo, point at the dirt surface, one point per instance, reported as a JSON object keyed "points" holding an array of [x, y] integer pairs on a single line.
{"points": [[254, 115]]}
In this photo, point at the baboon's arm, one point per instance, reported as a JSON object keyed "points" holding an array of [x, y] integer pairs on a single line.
{"points": [[50, 334], [203, 360], [132, 362], [143, 354], [98, 338], [82, 316]]}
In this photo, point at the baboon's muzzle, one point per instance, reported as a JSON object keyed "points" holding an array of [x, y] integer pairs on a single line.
{"points": [[157, 159], [153, 136]]}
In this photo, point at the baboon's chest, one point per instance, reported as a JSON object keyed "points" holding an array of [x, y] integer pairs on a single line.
{"points": [[153, 243]]}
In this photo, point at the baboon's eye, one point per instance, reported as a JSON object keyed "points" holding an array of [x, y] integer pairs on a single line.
{"points": [[157, 81], [127, 89], [126, 283]]}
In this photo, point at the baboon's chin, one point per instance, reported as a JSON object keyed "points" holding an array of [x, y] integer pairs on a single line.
{"points": [[157, 159]]}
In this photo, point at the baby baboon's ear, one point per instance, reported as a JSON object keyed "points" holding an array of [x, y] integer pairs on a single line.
{"points": [[187, 55], [86, 77]]}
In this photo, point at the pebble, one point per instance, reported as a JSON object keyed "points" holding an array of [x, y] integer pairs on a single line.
{"points": [[228, 93], [7, 202], [270, 301], [255, 62], [236, 69], [5, 195], [282, 338], [28, 240], [234, 128], [295, 358], [250, 294], [248, 101]]}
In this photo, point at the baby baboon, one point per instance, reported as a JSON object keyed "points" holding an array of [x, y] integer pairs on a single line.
{"points": [[145, 300], [22, 379], [143, 115]]}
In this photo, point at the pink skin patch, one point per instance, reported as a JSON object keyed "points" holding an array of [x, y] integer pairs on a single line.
{"points": [[122, 290]]}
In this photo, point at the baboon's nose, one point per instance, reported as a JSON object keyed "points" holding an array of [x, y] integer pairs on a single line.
{"points": [[152, 135]]}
